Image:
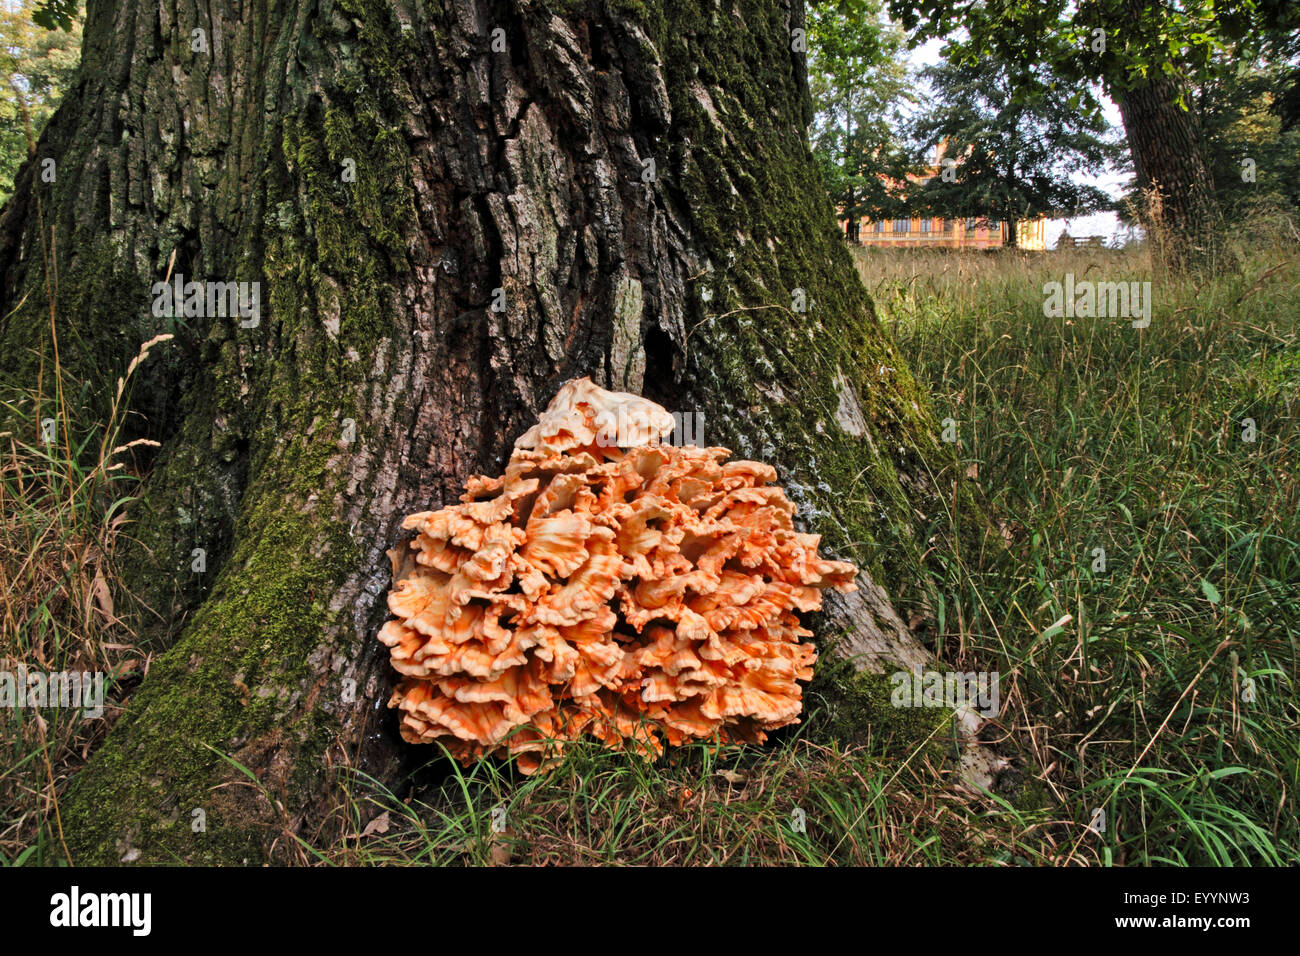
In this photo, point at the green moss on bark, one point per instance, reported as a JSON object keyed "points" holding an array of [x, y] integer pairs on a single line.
{"points": [[851, 708], [249, 677], [234, 683]]}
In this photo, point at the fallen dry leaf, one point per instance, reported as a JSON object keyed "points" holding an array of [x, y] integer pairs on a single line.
{"points": [[500, 851], [99, 590]]}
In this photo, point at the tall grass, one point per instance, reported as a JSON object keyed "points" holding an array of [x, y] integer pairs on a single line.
{"points": [[65, 485], [1169, 701], [66, 479]]}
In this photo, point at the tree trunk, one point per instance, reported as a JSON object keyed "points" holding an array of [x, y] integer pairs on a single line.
{"points": [[541, 191], [1183, 221]]}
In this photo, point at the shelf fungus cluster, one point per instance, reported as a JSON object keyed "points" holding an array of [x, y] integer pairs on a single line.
{"points": [[605, 585]]}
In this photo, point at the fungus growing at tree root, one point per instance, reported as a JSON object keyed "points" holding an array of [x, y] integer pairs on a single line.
{"points": [[606, 585]]}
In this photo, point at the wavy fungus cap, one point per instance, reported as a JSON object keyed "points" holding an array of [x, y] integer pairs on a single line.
{"points": [[605, 585]]}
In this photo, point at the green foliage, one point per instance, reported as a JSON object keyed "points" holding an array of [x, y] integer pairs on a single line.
{"points": [[1141, 40], [1015, 135], [859, 82], [1283, 48], [1254, 161], [56, 14], [38, 66]]}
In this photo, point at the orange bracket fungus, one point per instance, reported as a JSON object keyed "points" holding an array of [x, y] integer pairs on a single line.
{"points": [[607, 585]]}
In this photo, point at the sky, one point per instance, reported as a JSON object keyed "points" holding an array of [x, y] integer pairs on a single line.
{"points": [[1104, 224]]}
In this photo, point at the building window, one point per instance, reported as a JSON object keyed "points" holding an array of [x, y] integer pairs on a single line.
{"points": [[970, 224], [900, 225], [926, 224], [878, 225], [945, 225]]}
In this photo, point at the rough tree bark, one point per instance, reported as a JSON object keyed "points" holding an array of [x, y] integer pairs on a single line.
{"points": [[1168, 156], [633, 176], [1168, 160]]}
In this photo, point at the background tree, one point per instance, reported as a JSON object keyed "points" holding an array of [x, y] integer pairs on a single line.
{"points": [[1254, 160], [1239, 103], [36, 65], [858, 77], [1016, 138], [1282, 48], [632, 182], [1143, 54]]}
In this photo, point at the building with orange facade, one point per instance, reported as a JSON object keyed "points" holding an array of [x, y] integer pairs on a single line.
{"points": [[969, 233]]}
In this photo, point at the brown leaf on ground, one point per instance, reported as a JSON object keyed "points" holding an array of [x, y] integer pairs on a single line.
{"points": [[379, 824]]}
